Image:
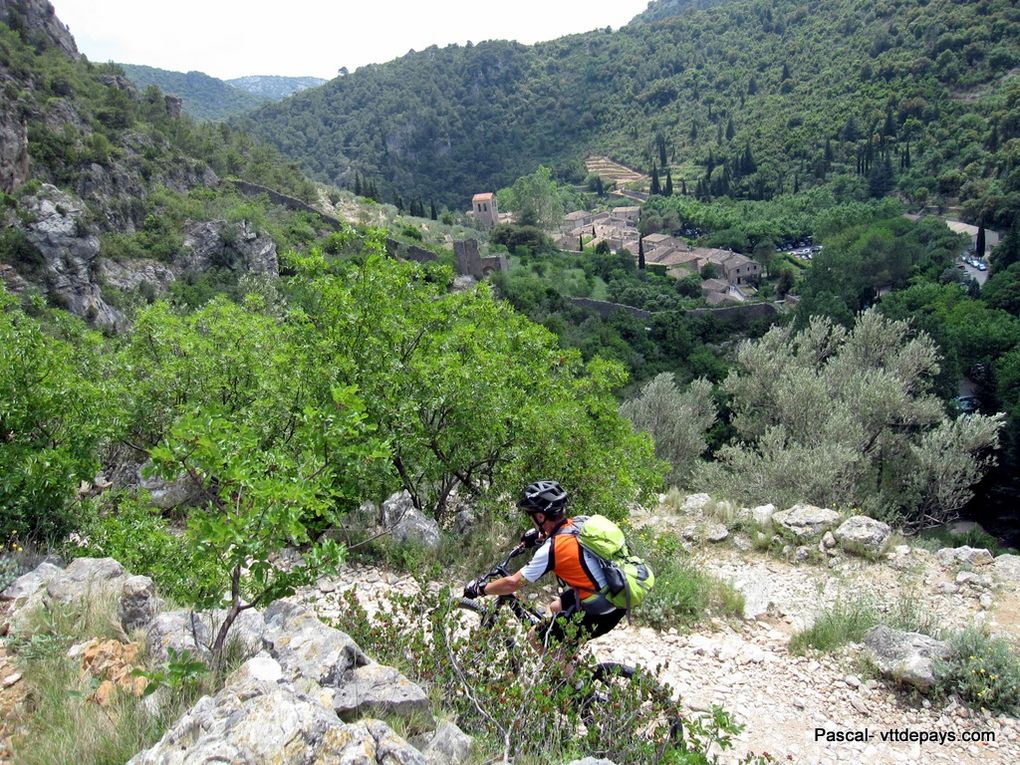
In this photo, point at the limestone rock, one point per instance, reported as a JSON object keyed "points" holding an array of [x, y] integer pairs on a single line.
{"points": [[970, 556], [57, 229], [256, 719], [307, 648], [376, 690], [406, 523], [1006, 566], [39, 17], [716, 533], [195, 632], [449, 745], [13, 149], [131, 274], [762, 515], [167, 495], [863, 535], [219, 244], [907, 657], [86, 576], [138, 603], [29, 584], [805, 522], [695, 503]]}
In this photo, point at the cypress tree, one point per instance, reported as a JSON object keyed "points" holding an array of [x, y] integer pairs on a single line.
{"points": [[729, 130], [357, 184], [979, 247], [580, 243], [683, 186], [641, 253], [786, 72], [655, 189], [668, 191], [432, 210]]}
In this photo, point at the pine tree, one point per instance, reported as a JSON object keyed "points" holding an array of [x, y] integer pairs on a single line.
{"points": [[668, 191]]}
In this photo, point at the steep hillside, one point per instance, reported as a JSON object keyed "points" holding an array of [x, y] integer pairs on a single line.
{"points": [[203, 97], [752, 97], [110, 196]]}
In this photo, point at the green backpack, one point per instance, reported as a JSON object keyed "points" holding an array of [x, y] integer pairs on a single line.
{"points": [[629, 579]]}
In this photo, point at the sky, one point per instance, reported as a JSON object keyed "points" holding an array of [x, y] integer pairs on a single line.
{"points": [[232, 38]]}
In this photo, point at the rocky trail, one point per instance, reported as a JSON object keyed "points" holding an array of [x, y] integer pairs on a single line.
{"points": [[783, 699]]}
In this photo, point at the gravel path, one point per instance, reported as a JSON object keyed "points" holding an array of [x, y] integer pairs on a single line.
{"points": [[795, 706]]}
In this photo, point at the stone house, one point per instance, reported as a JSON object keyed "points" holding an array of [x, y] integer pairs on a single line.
{"points": [[484, 209], [573, 221]]}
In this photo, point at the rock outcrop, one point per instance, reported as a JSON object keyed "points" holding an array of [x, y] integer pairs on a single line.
{"points": [[907, 657], [863, 535], [36, 19], [406, 523], [13, 149], [805, 522], [58, 230], [260, 717]]}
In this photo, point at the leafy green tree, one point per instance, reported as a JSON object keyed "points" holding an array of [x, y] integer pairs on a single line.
{"points": [[53, 416], [242, 406], [843, 418], [1002, 290], [537, 199]]}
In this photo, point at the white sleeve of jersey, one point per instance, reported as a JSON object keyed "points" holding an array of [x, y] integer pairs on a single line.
{"points": [[540, 564]]}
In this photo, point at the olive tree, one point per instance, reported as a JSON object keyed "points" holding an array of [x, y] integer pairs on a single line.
{"points": [[846, 418], [676, 420]]}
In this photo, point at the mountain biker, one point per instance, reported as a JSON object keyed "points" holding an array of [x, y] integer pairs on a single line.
{"points": [[559, 551]]}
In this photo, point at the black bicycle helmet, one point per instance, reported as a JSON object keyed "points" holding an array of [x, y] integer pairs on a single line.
{"points": [[543, 497]]}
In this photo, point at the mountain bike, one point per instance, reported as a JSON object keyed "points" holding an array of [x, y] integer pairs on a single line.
{"points": [[608, 682]]}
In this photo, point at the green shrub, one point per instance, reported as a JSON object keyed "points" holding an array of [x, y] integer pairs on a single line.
{"points": [[51, 420], [983, 670], [845, 622], [135, 534], [683, 593], [521, 706]]}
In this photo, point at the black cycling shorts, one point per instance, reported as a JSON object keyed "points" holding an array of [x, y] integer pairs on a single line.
{"points": [[573, 625]]}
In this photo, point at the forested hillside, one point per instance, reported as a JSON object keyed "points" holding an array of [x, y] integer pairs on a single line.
{"points": [[748, 97], [203, 97]]}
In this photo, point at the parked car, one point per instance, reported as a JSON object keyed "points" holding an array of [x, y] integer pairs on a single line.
{"points": [[966, 404], [980, 266]]}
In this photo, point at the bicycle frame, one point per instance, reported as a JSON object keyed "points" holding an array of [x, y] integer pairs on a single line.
{"points": [[527, 616]]}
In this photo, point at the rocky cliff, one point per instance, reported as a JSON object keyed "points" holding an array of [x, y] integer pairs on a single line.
{"points": [[38, 19]]}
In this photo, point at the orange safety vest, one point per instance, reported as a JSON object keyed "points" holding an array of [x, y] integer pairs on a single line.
{"points": [[568, 563]]}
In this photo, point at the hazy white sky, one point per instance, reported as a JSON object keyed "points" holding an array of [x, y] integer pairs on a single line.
{"points": [[231, 38]]}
